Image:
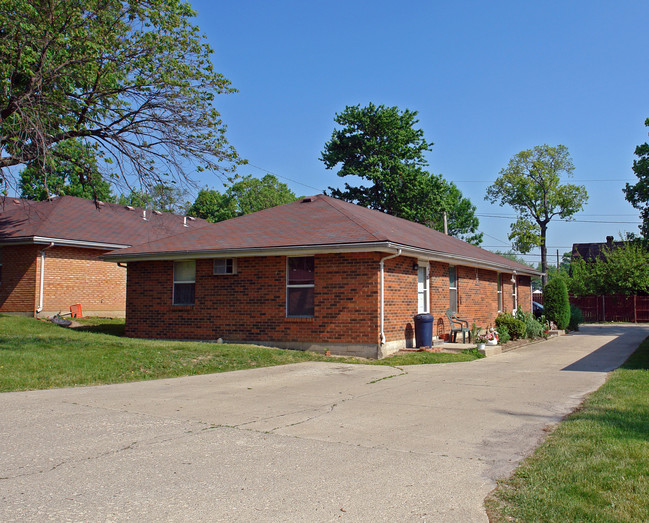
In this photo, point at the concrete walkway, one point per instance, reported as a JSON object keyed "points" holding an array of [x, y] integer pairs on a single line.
{"points": [[306, 442]]}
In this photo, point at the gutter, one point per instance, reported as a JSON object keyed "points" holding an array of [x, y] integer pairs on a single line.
{"points": [[303, 250], [40, 298], [398, 253]]}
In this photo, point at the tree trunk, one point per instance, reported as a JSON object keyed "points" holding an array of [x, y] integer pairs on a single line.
{"points": [[544, 258]]}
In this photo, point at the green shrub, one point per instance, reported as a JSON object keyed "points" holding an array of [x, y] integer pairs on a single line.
{"points": [[516, 328], [503, 334], [555, 301], [534, 327], [576, 317]]}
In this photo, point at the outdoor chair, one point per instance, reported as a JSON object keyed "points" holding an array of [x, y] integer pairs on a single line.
{"points": [[458, 325]]}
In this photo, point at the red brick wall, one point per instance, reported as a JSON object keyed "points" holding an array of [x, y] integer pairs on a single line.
{"points": [[74, 275], [19, 278], [400, 276], [251, 305], [477, 295]]}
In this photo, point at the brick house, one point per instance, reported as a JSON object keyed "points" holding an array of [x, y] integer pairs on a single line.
{"points": [[49, 253], [316, 274]]}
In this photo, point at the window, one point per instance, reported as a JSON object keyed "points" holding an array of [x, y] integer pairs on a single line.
{"points": [[225, 266], [422, 289], [514, 294], [299, 286], [452, 288], [184, 282], [500, 292]]}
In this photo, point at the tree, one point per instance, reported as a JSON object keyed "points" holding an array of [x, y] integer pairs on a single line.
{"points": [[243, 197], [440, 196], [70, 169], [381, 145], [159, 197], [133, 77], [556, 304], [252, 194], [638, 194], [619, 270], [531, 184], [212, 206]]}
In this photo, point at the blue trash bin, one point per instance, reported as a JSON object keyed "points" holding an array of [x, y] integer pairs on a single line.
{"points": [[424, 330]]}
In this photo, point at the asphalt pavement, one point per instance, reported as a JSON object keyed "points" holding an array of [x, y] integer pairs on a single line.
{"points": [[305, 442]]}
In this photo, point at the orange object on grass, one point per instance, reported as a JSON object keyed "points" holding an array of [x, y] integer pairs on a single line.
{"points": [[75, 311]]}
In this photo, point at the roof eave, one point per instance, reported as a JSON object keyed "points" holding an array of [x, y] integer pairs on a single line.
{"points": [[45, 240], [302, 250]]}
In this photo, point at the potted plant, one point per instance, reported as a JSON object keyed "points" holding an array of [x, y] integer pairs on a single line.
{"points": [[481, 341], [491, 337]]}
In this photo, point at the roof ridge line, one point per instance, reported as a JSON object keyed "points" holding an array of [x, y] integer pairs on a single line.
{"points": [[341, 211]]}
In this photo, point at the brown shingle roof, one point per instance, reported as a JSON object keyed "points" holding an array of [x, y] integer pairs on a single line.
{"points": [[78, 220], [317, 222]]}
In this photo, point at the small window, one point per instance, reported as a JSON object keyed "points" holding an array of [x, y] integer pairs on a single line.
{"points": [[225, 266], [300, 285], [514, 293], [452, 288], [184, 282], [500, 292]]}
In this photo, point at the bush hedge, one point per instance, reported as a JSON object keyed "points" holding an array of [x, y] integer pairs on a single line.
{"points": [[576, 317], [516, 328], [556, 303]]}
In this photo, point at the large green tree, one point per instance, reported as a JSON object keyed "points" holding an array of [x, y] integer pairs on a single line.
{"points": [[243, 197], [382, 146], [532, 185], [213, 206], [619, 270], [132, 76], [638, 193], [70, 169]]}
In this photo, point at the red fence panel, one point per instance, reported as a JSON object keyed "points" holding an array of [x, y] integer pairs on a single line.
{"points": [[613, 307]]}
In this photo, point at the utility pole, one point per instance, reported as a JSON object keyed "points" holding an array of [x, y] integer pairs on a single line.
{"points": [[446, 225]]}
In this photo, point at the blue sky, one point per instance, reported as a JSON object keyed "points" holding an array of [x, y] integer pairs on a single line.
{"points": [[488, 79]]}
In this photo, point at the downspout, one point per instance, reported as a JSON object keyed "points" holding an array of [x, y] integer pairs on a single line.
{"points": [[382, 292], [40, 298]]}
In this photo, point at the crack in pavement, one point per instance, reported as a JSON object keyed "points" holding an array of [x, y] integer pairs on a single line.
{"points": [[73, 460]]}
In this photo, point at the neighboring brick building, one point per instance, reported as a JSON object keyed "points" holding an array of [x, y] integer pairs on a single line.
{"points": [[318, 274], [49, 253]]}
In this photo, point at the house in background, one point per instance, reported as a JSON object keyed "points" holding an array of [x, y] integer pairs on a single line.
{"points": [[593, 251], [317, 274], [49, 253]]}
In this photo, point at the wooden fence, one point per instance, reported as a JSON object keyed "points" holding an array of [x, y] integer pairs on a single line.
{"points": [[613, 307]]}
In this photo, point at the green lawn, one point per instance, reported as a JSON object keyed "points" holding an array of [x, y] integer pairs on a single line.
{"points": [[595, 466], [40, 355]]}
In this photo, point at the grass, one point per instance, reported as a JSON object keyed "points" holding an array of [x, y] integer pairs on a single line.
{"points": [[595, 466], [40, 355]]}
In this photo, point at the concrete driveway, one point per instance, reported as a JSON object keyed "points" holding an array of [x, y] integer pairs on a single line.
{"points": [[306, 442]]}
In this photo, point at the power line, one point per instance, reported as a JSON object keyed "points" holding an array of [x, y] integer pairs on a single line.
{"points": [[320, 190]]}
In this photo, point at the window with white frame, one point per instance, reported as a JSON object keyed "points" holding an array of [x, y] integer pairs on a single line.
{"points": [[184, 282], [225, 266], [514, 293], [500, 292], [422, 289], [452, 288], [300, 284]]}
